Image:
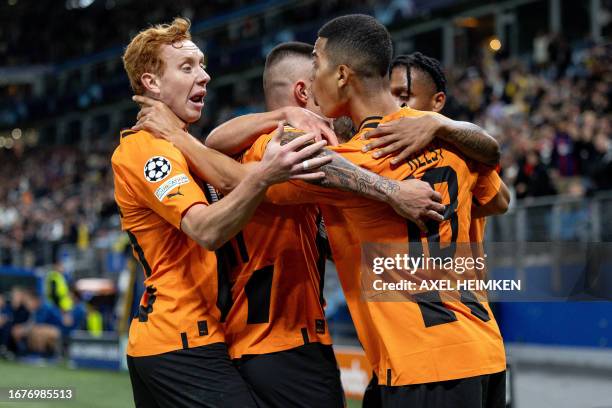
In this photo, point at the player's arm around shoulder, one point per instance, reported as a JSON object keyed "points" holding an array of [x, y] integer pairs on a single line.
{"points": [[408, 134], [412, 199], [213, 225], [238, 134]]}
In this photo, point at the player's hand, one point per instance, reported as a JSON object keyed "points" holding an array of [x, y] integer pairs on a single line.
{"points": [[403, 136], [158, 119], [308, 121], [418, 202], [294, 160]]}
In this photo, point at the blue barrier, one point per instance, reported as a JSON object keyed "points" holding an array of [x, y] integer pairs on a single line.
{"points": [[587, 324], [12, 276]]}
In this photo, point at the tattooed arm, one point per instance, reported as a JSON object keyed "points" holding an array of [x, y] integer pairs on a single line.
{"points": [[471, 140], [407, 135], [412, 199]]}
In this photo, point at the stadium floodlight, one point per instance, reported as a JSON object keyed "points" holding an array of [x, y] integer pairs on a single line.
{"points": [[495, 45]]}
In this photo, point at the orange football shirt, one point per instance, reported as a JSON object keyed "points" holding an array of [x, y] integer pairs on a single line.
{"points": [[405, 343], [486, 188], [277, 288], [181, 307]]}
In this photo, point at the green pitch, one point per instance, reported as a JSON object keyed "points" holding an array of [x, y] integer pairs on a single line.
{"points": [[93, 388]]}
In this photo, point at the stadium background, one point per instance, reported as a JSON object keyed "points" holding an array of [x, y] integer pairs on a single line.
{"points": [[535, 74]]}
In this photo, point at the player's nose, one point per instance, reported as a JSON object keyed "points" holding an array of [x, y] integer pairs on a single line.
{"points": [[203, 77]]}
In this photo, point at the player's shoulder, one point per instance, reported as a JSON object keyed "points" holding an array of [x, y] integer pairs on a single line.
{"points": [[405, 112], [136, 146]]}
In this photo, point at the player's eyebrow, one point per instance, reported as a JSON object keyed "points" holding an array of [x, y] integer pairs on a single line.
{"points": [[191, 58]]}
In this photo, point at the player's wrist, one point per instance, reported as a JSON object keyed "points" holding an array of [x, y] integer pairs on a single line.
{"points": [[444, 127], [260, 176]]}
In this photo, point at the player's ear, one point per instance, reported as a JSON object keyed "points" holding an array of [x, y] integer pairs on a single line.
{"points": [[150, 82], [300, 92], [439, 100], [342, 75]]}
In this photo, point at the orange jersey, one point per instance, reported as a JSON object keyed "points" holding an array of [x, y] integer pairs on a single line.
{"points": [[277, 288], [486, 188], [404, 344], [153, 189]]}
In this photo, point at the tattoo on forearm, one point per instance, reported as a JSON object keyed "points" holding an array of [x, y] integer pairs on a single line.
{"points": [[474, 142], [344, 175]]}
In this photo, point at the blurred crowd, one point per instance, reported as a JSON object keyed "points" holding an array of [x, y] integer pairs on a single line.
{"points": [[20, 45], [551, 115], [236, 35], [51, 196]]}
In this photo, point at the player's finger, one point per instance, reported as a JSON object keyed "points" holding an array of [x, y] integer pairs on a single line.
{"points": [[385, 151], [381, 130], [434, 216], [144, 100], [437, 207], [277, 136], [310, 164], [310, 150], [330, 136], [300, 141], [140, 125], [376, 143], [436, 196], [308, 176], [404, 154], [143, 111]]}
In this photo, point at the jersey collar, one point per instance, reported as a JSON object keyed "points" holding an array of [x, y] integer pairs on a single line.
{"points": [[127, 132], [371, 122]]}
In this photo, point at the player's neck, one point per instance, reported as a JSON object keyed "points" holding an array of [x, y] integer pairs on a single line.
{"points": [[371, 104]]}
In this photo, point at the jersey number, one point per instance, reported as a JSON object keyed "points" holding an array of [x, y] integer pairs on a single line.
{"points": [[432, 308]]}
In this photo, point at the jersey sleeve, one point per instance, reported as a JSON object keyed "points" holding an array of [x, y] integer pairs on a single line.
{"points": [[257, 149], [487, 185], [300, 192], [157, 176]]}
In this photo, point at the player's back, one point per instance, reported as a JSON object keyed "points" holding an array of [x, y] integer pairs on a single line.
{"points": [[421, 339], [278, 280], [153, 189]]}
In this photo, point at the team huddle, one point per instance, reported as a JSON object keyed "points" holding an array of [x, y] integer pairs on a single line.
{"points": [[233, 234]]}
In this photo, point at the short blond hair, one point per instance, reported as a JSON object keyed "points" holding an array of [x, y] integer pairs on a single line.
{"points": [[143, 52]]}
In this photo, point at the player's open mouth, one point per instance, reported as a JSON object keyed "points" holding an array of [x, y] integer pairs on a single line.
{"points": [[198, 98]]}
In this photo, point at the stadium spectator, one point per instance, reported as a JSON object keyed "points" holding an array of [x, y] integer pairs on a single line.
{"points": [[15, 313], [41, 333], [57, 289]]}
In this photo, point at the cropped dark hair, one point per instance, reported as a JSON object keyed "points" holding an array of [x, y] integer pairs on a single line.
{"points": [[287, 49], [277, 55], [428, 65], [360, 42]]}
